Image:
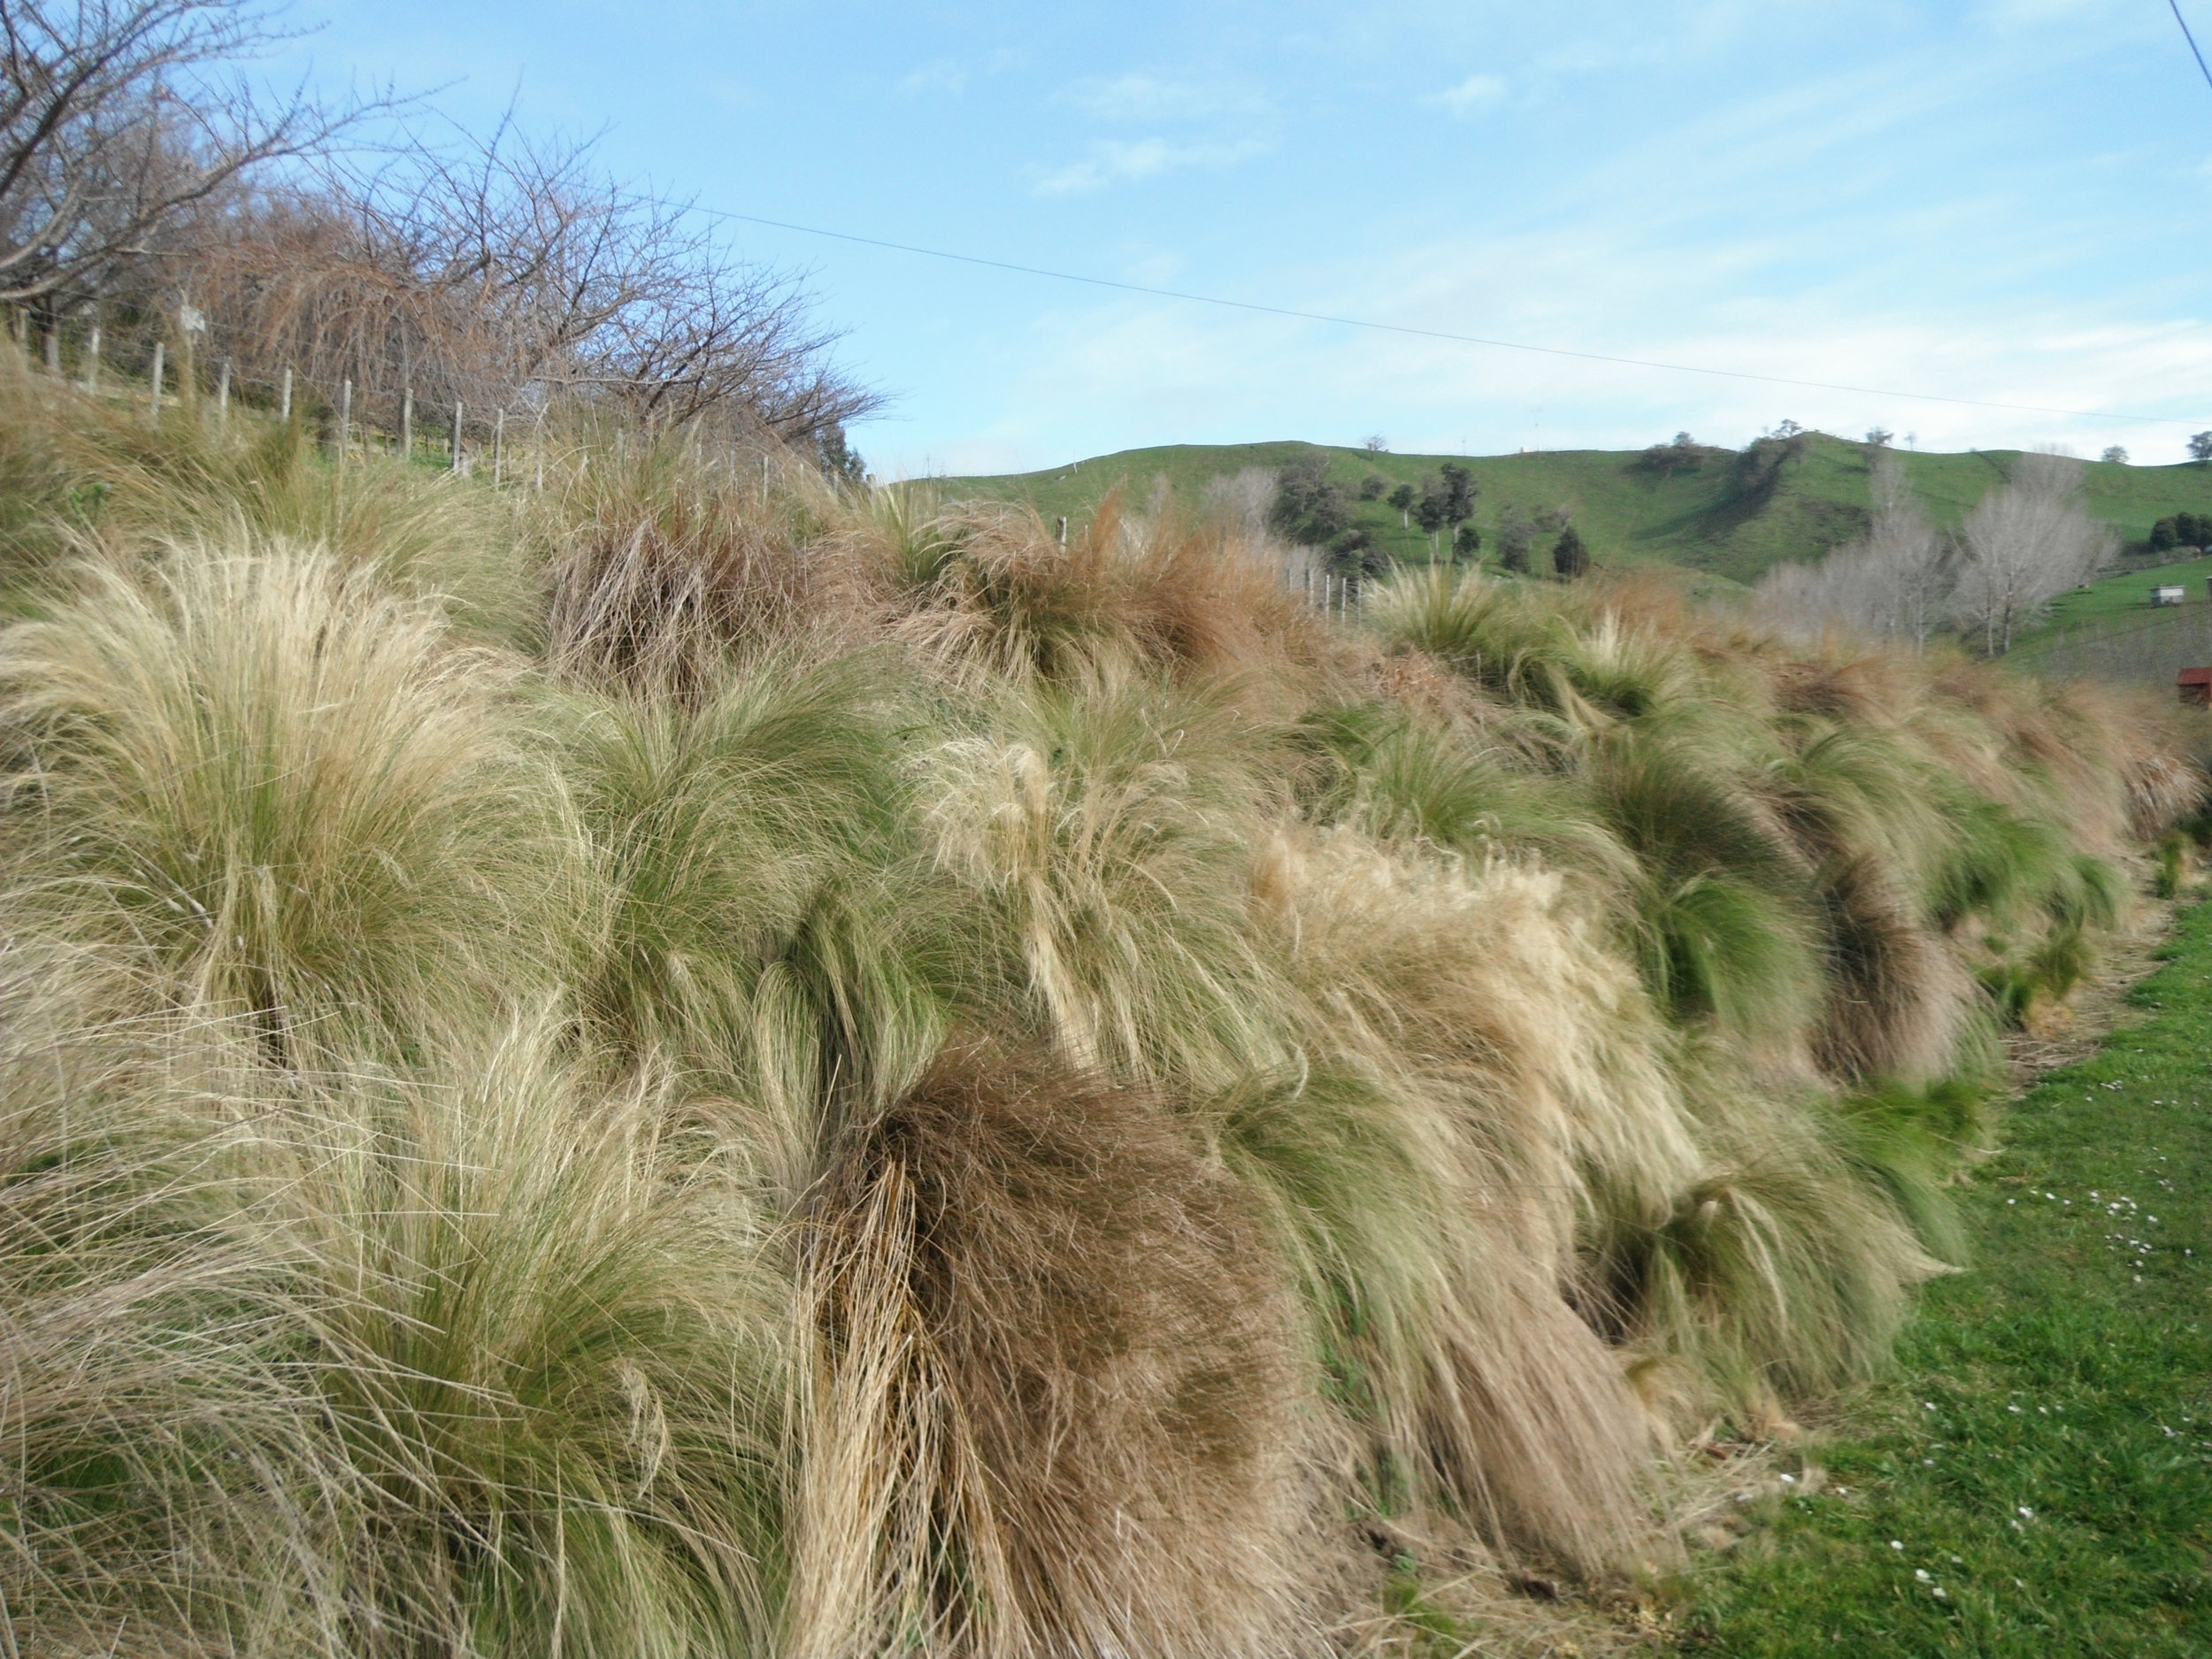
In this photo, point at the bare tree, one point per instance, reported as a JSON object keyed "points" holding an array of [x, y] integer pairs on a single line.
{"points": [[2026, 542], [1892, 584], [116, 118], [1242, 502], [501, 272]]}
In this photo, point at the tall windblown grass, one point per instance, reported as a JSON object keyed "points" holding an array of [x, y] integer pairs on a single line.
{"points": [[704, 1064], [282, 783], [85, 470]]}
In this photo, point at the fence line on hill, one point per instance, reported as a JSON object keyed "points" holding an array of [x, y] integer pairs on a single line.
{"points": [[465, 441]]}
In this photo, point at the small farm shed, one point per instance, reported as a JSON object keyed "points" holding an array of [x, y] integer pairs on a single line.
{"points": [[2172, 594], [2195, 687]]}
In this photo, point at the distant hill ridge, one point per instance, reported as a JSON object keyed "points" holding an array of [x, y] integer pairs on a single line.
{"points": [[1725, 512]]}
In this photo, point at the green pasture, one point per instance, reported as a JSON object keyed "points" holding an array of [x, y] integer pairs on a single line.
{"points": [[2037, 1479]]}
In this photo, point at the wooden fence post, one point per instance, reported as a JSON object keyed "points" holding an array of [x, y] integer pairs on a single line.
{"points": [[499, 448], [407, 424], [155, 406], [284, 403], [345, 418], [457, 434], [222, 397], [92, 360]]}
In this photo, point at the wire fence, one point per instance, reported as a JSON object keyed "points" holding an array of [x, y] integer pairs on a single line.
{"points": [[352, 419]]}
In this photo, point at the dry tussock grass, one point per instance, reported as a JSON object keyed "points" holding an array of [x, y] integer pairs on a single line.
{"points": [[480, 1128], [1059, 1411]]}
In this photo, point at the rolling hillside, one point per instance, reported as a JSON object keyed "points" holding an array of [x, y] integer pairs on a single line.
{"points": [[1731, 514]]}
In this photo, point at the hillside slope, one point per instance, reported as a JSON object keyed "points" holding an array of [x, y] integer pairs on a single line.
{"points": [[1732, 515]]}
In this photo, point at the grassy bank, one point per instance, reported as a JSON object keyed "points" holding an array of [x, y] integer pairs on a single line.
{"points": [[698, 1063], [2038, 1481]]}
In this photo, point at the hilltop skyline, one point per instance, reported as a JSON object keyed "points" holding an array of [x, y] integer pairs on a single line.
{"points": [[2002, 201]]}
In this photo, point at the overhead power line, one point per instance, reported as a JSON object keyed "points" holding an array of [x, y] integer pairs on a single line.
{"points": [[1421, 334], [2203, 68]]}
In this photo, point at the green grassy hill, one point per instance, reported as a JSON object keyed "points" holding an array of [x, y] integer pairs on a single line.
{"points": [[2126, 596], [1731, 514]]}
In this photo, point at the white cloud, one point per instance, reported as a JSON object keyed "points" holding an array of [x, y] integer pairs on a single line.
{"points": [[1114, 161], [1149, 98], [1477, 92], [944, 76]]}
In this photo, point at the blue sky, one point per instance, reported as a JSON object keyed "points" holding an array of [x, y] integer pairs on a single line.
{"points": [[2009, 202]]}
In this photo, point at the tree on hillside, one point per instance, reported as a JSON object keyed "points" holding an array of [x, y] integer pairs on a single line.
{"points": [[1401, 498], [2026, 542], [1466, 543], [1892, 583], [1430, 511], [2114, 457], [1459, 492], [1683, 454], [1310, 507], [499, 271], [1569, 557], [1447, 498], [1879, 437], [2200, 448], [2181, 529], [1372, 487], [1517, 535]]}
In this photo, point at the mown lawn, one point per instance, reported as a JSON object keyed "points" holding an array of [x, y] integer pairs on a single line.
{"points": [[2037, 1481]]}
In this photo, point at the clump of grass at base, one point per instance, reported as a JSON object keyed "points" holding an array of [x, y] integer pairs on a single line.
{"points": [[657, 568]]}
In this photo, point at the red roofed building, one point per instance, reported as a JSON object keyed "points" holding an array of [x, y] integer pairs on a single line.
{"points": [[2195, 687]]}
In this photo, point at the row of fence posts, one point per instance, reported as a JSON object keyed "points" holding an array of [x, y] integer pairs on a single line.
{"points": [[1343, 598], [158, 379]]}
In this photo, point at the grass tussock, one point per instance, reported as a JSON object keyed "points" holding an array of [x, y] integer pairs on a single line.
{"points": [[701, 1063], [1060, 1413], [280, 782], [991, 595]]}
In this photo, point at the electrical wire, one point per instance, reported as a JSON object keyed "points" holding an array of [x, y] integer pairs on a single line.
{"points": [[2205, 69], [1421, 333]]}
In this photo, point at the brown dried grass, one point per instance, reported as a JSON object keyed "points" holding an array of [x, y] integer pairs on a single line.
{"points": [[1056, 1412]]}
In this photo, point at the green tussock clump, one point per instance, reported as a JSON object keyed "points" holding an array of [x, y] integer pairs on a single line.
{"points": [[698, 1062]]}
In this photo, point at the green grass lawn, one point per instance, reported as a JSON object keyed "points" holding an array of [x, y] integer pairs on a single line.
{"points": [[1723, 517], [2115, 601], [2038, 1478]]}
